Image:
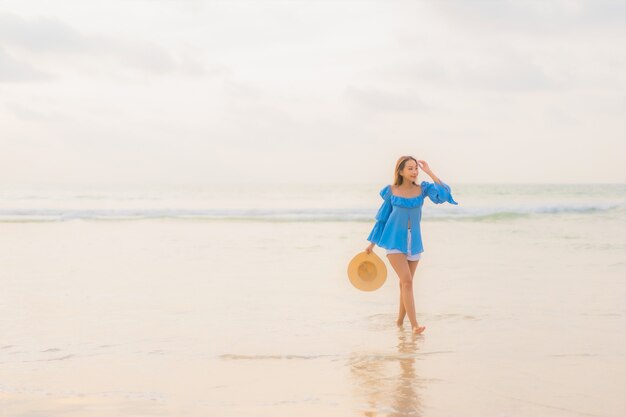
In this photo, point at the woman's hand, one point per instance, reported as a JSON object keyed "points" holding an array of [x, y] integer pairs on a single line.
{"points": [[369, 248], [424, 166], [426, 169]]}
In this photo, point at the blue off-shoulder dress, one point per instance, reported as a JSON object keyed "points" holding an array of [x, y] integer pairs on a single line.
{"points": [[392, 219]]}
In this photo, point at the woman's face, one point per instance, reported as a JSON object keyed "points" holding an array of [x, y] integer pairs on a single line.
{"points": [[410, 170]]}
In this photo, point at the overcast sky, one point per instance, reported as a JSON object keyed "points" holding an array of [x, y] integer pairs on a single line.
{"points": [[313, 91]]}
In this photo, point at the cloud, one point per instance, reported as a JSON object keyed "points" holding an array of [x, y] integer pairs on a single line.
{"points": [[12, 70], [41, 34], [145, 56], [497, 49], [48, 37], [27, 114], [501, 69], [538, 16], [193, 67], [382, 101], [495, 68]]}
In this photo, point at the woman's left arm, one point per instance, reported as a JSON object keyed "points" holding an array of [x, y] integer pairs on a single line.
{"points": [[427, 170], [439, 192]]}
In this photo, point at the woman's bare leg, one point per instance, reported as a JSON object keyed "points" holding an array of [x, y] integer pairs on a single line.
{"points": [[402, 313], [401, 266]]}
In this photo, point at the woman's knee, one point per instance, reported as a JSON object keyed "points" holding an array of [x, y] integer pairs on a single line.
{"points": [[406, 282]]}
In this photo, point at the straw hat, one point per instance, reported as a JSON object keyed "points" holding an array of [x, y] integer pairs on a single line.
{"points": [[367, 272]]}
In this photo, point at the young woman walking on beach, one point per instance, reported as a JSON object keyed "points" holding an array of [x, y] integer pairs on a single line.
{"points": [[397, 227]]}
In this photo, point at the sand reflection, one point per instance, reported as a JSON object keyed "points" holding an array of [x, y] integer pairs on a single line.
{"points": [[387, 384]]}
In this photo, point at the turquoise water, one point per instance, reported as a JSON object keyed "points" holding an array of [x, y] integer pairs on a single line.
{"points": [[477, 202]]}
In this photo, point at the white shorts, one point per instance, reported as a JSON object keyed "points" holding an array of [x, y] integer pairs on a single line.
{"points": [[415, 257]]}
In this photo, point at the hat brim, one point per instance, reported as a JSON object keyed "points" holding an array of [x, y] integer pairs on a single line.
{"points": [[367, 271]]}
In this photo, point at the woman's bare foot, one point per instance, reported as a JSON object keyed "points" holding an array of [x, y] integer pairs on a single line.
{"points": [[418, 329]]}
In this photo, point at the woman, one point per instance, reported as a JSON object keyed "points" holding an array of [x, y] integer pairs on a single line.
{"points": [[397, 227]]}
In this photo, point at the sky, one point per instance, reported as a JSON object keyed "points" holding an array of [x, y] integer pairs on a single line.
{"points": [[194, 92]]}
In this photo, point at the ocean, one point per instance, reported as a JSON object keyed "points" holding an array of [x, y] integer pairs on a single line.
{"points": [[233, 300], [267, 202]]}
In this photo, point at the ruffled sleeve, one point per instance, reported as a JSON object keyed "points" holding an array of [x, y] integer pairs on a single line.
{"points": [[438, 193], [381, 217]]}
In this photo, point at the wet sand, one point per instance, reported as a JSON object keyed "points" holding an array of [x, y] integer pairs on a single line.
{"points": [[197, 318]]}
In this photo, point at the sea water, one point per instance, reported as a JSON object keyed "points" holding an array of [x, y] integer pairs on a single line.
{"points": [[302, 202], [234, 300]]}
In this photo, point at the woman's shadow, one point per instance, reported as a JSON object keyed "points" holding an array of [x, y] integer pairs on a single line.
{"points": [[388, 382]]}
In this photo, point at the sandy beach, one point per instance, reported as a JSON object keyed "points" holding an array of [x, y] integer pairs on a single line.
{"points": [[183, 185], [243, 318]]}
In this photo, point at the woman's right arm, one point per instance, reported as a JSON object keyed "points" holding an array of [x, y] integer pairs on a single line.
{"points": [[381, 218]]}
